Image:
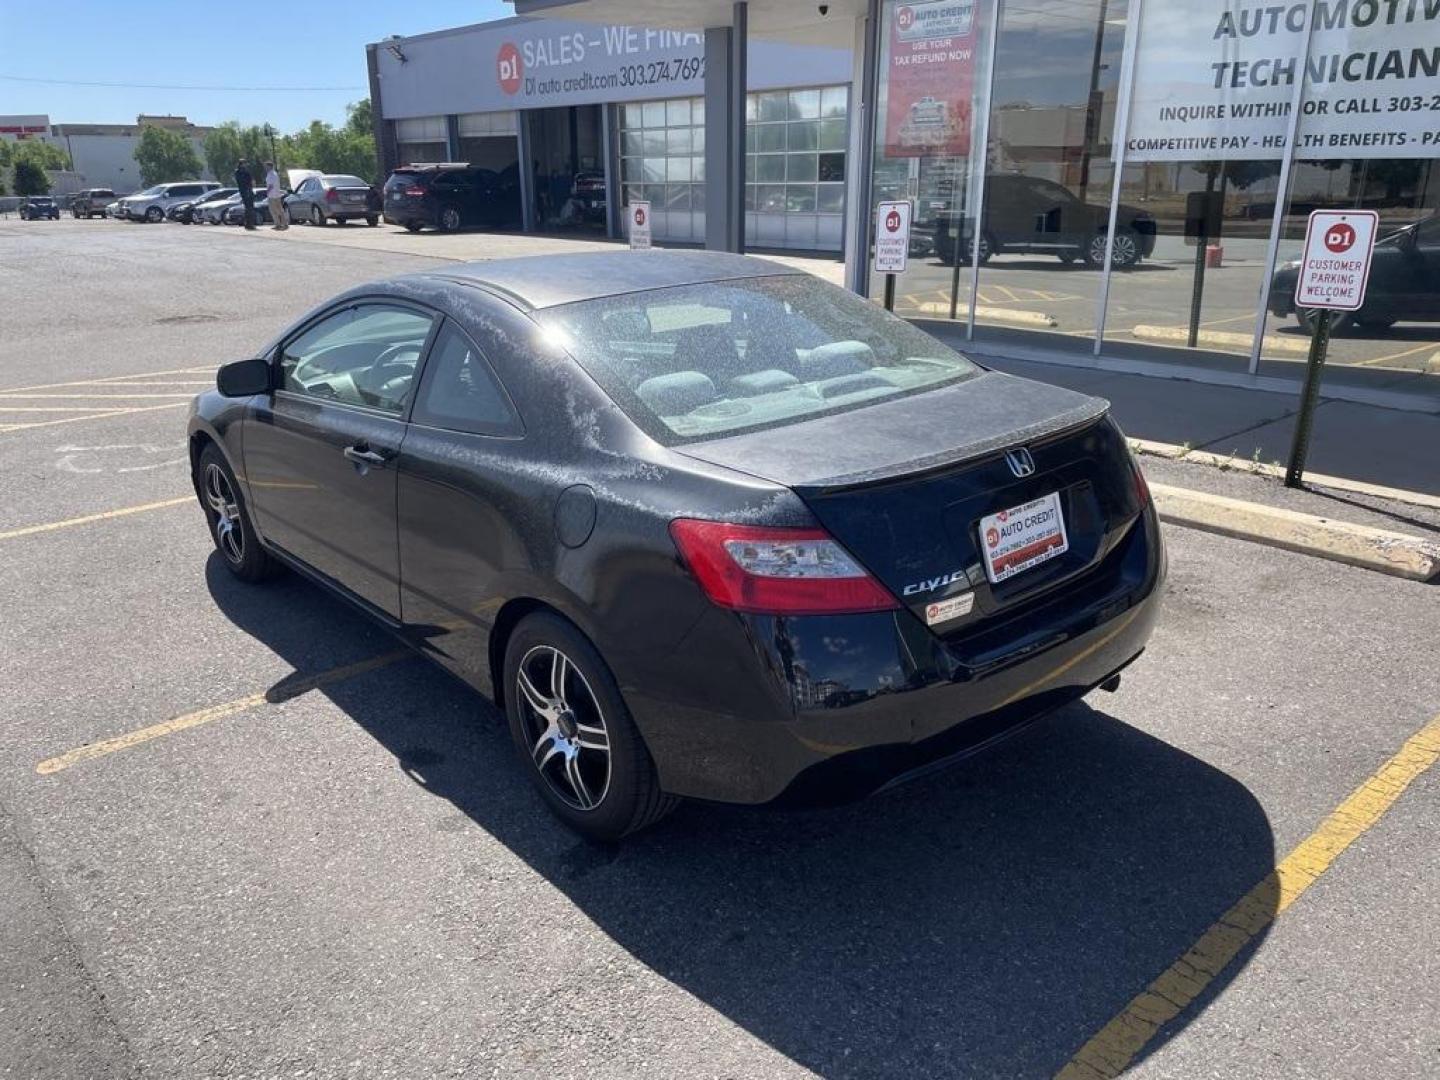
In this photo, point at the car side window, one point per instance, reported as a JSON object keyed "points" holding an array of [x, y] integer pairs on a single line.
{"points": [[460, 392], [365, 355]]}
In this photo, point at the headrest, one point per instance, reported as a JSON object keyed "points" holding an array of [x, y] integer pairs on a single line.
{"points": [[677, 393], [836, 358]]}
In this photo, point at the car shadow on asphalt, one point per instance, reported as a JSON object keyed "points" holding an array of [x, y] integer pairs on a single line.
{"points": [[983, 921]]}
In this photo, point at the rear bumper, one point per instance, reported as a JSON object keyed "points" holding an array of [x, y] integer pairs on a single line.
{"points": [[405, 217], [818, 709]]}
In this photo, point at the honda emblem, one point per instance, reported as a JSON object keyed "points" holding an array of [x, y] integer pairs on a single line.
{"points": [[1020, 461]]}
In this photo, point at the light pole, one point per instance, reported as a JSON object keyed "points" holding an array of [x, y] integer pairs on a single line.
{"points": [[270, 134]]}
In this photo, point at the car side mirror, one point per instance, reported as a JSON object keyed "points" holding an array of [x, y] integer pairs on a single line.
{"points": [[242, 378]]}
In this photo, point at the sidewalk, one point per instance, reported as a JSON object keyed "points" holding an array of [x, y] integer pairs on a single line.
{"points": [[1361, 442]]}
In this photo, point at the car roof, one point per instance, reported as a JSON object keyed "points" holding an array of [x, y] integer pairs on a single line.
{"points": [[541, 281]]}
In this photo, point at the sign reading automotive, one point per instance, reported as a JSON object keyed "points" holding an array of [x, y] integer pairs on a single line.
{"points": [[931, 74], [892, 236], [639, 226], [1216, 79], [1336, 265]]}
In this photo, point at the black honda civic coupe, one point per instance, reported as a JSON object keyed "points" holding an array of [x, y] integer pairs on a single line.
{"points": [[703, 525]]}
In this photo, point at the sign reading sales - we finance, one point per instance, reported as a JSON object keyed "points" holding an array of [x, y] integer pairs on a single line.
{"points": [[930, 68], [1215, 79]]}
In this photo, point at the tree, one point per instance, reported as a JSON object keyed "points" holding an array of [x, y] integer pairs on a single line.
{"points": [[164, 155], [30, 179], [40, 153], [331, 150], [359, 118], [229, 142]]}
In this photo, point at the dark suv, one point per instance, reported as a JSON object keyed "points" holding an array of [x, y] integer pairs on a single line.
{"points": [[1031, 215], [91, 202], [39, 206], [452, 197]]}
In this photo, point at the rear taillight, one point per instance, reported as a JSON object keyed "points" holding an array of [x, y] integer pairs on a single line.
{"points": [[413, 190], [1142, 487], [332, 195], [776, 571]]}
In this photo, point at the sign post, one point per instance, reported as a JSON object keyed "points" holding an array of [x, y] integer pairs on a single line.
{"points": [[639, 226], [892, 243], [1333, 275]]}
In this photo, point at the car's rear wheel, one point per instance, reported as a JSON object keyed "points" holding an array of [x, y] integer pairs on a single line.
{"points": [[230, 525], [570, 724], [412, 226], [449, 219], [372, 220], [154, 214]]}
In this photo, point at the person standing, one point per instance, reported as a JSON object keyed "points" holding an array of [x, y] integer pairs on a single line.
{"points": [[246, 185], [276, 195]]}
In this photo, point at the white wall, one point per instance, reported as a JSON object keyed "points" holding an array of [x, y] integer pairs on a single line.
{"points": [[109, 160]]}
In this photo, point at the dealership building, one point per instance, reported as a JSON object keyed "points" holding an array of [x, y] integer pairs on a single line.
{"points": [[1112, 183]]}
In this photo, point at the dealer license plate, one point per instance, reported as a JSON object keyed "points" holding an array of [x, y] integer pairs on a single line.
{"points": [[1022, 537]]}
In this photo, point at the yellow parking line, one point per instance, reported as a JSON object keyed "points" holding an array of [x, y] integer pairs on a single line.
{"points": [[124, 511], [1115, 1046], [280, 693], [1429, 346], [96, 416], [86, 397], [111, 378]]}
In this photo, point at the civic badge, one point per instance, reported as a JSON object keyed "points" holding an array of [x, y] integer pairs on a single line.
{"points": [[1020, 461]]}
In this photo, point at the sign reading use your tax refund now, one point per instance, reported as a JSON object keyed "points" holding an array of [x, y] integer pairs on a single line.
{"points": [[1336, 265]]}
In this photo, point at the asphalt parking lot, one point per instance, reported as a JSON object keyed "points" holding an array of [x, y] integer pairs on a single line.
{"points": [[241, 836]]}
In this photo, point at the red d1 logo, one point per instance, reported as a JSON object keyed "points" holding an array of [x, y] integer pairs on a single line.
{"points": [[509, 68], [905, 18], [639, 215], [992, 536], [1339, 238], [892, 221]]}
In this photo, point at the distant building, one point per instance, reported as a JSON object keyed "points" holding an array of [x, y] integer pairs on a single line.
{"points": [[103, 155]]}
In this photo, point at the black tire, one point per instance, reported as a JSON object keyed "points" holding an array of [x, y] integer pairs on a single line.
{"points": [[590, 712], [449, 219], [947, 253], [341, 221], [154, 215], [1374, 322], [412, 226], [372, 221], [238, 544], [317, 216]]}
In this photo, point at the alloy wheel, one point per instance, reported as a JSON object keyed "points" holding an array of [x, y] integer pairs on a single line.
{"points": [[565, 727], [224, 513], [1125, 254], [450, 219]]}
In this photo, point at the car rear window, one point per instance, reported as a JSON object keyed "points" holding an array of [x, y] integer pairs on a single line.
{"points": [[344, 181], [701, 361]]}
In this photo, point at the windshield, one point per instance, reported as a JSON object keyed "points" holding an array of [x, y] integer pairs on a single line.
{"points": [[156, 190], [345, 181], [699, 361]]}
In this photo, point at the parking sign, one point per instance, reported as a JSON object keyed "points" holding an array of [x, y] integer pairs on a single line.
{"points": [[892, 236], [1336, 266], [639, 226]]}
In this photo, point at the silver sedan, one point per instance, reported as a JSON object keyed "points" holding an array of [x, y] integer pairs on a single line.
{"points": [[321, 199]]}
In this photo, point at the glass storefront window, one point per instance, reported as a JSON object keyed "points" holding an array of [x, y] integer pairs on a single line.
{"points": [[1232, 129], [783, 133], [659, 143]]}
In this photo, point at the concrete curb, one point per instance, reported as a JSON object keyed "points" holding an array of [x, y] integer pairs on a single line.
{"points": [[1277, 472], [1271, 343], [1380, 550], [1019, 316]]}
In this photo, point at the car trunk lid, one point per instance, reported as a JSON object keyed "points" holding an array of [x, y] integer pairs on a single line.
{"points": [[911, 487]]}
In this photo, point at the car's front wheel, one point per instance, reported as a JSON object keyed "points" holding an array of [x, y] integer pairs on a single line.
{"points": [[1127, 251], [230, 525], [570, 724], [154, 214]]}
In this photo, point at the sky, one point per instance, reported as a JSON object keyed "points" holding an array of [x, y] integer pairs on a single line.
{"points": [[287, 44]]}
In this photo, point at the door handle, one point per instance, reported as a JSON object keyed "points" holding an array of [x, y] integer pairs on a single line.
{"points": [[363, 455]]}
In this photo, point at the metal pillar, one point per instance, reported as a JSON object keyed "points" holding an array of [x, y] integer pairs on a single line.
{"points": [[997, 13], [610, 155], [1118, 138], [861, 156], [526, 170], [725, 133], [452, 136]]}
